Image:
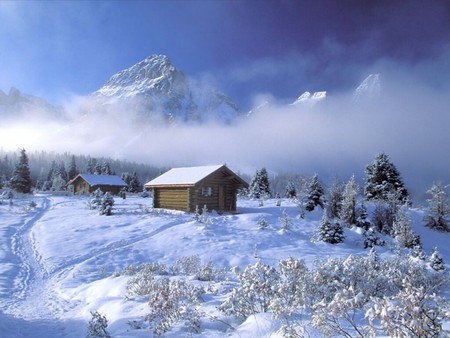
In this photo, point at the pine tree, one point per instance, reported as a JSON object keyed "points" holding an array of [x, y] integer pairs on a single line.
{"points": [[383, 177], [403, 232], [91, 165], [438, 208], [290, 190], [21, 179], [335, 197], [330, 231], [259, 186], [348, 209], [106, 169], [436, 261], [134, 185], [73, 171], [315, 196], [362, 217]]}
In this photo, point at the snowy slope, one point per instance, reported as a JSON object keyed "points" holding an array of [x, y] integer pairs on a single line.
{"points": [[60, 260]]}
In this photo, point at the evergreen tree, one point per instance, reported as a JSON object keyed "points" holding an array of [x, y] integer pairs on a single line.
{"points": [[106, 169], [382, 177], [73, 171], [362, 217], [63, 172], [98, 169], [259, 186], [134, 185], [291, 192], [315, 196], [403, 232], [335, 197], [348, 209], [330, 231], [438, 208], [91, 165], [436, 261], [21, 179]]}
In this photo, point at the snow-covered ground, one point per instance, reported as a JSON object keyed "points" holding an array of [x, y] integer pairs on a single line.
{"points": [[60, 261]]}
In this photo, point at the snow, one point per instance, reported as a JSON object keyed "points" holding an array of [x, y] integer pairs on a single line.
{"points": [[103, 180], [59, 261], [184, 176], [310, 99]]}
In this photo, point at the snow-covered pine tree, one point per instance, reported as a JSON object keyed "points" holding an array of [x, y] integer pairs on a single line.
{"points": [[330, 231], [106, 205], [91, 165], [291, 192], [383, 177], [362, 217], [106, 169], [438, 208], [334, 198], [315, 195], [403, 232], [436, 261], [259, 186], [348, 208], [134, 185], [21, 179]]}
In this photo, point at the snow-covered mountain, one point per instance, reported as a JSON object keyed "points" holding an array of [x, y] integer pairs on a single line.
{"points": [[370, 88], [157, 89], [310, 99], [17, 104]]}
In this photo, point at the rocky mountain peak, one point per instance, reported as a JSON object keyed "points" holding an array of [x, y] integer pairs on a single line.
{"points": [[159, 90]]}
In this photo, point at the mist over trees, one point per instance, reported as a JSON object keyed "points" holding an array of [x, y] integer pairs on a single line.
{"points": [[51, 171]]}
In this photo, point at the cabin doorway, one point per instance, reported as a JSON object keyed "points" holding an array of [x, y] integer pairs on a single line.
{"points": [[221, 198]]}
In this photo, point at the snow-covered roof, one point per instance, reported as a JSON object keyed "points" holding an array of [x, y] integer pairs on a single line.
{"points": [[94, 180], [184, 176]]}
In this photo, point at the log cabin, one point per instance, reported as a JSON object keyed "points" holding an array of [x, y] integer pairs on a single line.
{"points": [[190, 187], [86, 184]]}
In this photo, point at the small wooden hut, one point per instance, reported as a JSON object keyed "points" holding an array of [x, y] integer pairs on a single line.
{"points": [[189, 187], [86, 183]]}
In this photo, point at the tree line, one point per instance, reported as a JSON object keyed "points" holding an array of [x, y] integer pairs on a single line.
{"points": [[46, 171]]}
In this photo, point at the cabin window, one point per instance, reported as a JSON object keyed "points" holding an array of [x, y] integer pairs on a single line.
{"points": [[207, 191]]}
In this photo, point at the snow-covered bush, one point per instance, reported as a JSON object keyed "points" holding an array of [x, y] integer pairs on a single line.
{"points": [[256, 291], [208, 273], [97, 326], [171, 301], [201, 216], [262, 224], [292, 287], [188, 265], [412, 312]]}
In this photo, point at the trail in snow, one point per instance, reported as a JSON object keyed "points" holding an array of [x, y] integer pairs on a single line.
{"points": [[31, 308]]}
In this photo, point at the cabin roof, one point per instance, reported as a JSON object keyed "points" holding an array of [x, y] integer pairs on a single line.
{"points": [[94, 180], [184, 175]]}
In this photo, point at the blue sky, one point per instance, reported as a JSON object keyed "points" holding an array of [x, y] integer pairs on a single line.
{"points": [[281, 48]]}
